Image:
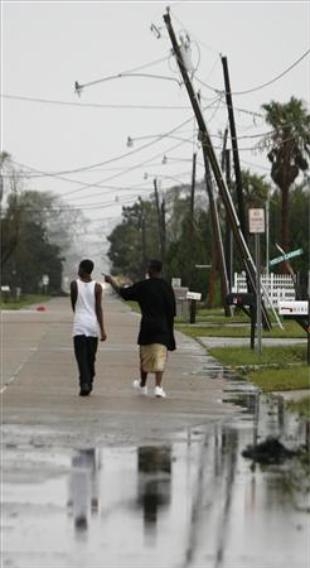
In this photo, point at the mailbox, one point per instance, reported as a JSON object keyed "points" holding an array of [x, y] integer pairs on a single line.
{"points": [[240, 299]]}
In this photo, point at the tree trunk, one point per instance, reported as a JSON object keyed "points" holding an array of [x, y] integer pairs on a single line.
{"points": [[284, 225]]}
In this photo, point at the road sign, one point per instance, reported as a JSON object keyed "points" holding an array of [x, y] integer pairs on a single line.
{"points": [[257, 220], [45, 279], [286, 256]]}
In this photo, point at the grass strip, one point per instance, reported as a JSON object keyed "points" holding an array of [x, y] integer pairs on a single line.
{"points": [[269, 380], [279, 356], [291, 330]]}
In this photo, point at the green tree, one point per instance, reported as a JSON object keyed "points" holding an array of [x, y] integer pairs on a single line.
{"points": [[288, 148], [35, 233], [299, 222], [192, 246], [134, 240]]}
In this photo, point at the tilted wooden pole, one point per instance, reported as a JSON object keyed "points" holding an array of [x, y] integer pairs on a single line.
{"points": [[209, 152]]}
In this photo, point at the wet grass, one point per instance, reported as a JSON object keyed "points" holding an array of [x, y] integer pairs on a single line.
{"points": [[291, 330], [276, 369], [217, 316], [281, 379], [280, 356], [24, 302]]}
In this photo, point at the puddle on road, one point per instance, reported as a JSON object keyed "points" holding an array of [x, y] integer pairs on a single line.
{"points": [[192, 503]]}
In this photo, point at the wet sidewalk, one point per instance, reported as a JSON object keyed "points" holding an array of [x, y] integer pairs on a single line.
{"points": [[123, 481]]}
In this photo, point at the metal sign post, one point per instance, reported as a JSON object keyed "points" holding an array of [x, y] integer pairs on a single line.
{"points": [[257, 226], [308, 330]]}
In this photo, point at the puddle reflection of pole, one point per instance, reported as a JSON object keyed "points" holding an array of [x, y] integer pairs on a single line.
{"points": [[255, 425], [197, 502], [225, 448], [154, 482], [281, 414], [83, 487], [231, 460]]}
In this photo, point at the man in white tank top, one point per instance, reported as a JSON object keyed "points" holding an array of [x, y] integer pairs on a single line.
{"points": [[86, 297]]}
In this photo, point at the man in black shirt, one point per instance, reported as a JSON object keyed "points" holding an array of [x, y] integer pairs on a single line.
{"points": [[157, 304]]}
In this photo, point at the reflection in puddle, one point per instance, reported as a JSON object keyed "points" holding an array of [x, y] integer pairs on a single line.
{"points": [[192, 503], [154, 483], [83, 487]]}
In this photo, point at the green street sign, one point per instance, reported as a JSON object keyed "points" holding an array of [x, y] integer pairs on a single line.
{"points": [[286, 256]]}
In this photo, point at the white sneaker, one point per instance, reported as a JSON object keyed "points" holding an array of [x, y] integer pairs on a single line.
{"points": [[141, 390], [159, 392]]}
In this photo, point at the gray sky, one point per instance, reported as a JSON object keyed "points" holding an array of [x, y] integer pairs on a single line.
{"points": [[46, 46]]}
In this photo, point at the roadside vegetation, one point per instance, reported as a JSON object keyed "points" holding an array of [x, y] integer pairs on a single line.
{"points": [[237, 326], [23, 302]]}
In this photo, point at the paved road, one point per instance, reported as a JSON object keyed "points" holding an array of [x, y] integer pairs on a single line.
{"points": [[39, 383], [122, 481]]}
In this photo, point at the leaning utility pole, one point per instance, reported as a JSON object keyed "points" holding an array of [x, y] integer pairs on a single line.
{"points": [[234, 145], [192, 197], [202, 128], [209, 154], [220, 248], [228, 235]]}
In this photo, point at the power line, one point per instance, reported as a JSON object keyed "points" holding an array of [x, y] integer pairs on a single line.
{"points": [[263, 85], [86, 186], [121, 156], [92, 105]]}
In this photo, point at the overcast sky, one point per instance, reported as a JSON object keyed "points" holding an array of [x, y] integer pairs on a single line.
{"points": [[47, 46]]}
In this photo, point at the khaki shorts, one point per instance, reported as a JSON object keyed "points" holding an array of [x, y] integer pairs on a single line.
{"points": [[153, 357]]}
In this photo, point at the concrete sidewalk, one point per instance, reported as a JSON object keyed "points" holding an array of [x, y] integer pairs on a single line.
{"points": [[40, 388]]}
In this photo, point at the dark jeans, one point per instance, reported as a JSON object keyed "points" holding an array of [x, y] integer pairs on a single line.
{"points": [[85, 349]]}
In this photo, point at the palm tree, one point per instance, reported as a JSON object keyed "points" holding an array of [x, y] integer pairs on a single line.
{"points": [[288, 151]]}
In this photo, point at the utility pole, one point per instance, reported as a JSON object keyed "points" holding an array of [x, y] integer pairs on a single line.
{"points": [[228, 235], [209, 154], [163, 227], [224, 149], [143, 232], [202, 131], [218, 237], [192, 197], [159, 219], [234, 144]]}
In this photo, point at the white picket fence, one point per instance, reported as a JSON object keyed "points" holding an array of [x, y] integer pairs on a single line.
{"points": [[278, 286]]}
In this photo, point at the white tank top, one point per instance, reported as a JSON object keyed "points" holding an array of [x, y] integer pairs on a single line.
{"points": [[85, 319]]}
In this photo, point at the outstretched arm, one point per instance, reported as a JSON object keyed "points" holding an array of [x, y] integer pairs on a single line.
{"points": [[110, 280], [126, 292]]}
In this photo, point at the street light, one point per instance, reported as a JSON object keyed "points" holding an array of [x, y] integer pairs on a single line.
{"points": [[179, 182], [131, 140]]}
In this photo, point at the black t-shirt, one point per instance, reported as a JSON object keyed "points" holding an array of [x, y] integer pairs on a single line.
{"points": [[157, 304]]}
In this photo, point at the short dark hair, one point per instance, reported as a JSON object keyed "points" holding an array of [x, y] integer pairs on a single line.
{"points": [[155, 265], [87, 266]]}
